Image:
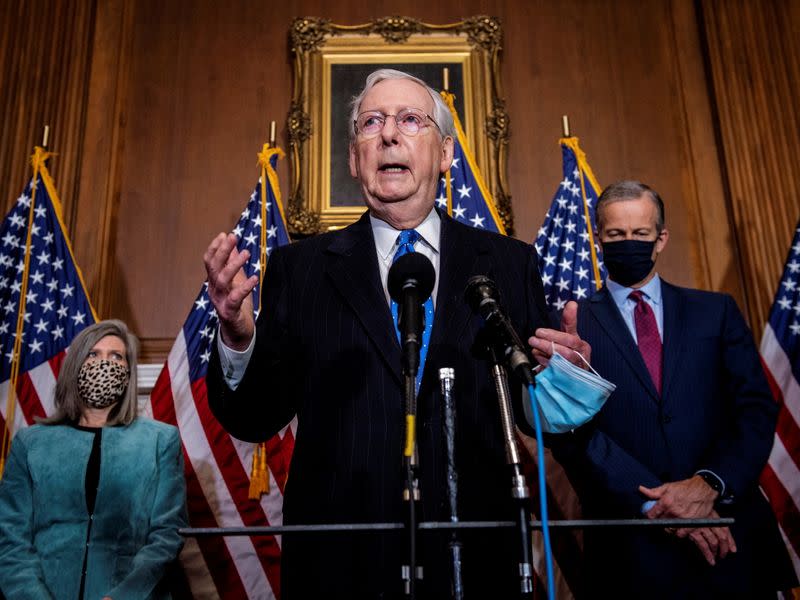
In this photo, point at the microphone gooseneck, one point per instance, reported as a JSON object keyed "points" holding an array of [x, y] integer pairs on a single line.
{"points": [[504, 347], [482, 297]]}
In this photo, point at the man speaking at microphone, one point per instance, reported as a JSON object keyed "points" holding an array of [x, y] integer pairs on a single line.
{"points": [[325, 348]]}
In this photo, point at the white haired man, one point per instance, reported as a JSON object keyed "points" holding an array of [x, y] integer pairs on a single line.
{"points": [[326, 346]]}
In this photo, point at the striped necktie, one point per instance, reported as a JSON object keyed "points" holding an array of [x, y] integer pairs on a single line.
{"points": [[405, 244]]}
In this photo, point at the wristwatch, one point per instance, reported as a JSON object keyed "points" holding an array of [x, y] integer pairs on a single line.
{"points": [[713, 481]]}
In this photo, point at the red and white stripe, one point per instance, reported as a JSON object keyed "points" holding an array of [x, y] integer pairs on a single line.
{"points": [[217, 475], [35, 394], [780, 479]]}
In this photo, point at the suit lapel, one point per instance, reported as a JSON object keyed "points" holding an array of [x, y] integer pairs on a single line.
{"points": [[607, 314], [673, 333], [459, 259], [353, 269]]}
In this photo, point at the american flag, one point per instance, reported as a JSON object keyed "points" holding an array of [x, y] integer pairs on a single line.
{"points": [[570, 266], [462, 190], [42, 295], [780, 354], [569, 257], [217, 465]]}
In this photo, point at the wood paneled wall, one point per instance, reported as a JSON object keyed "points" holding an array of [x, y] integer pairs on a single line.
{"points": [[754, 57], [45, 57], [159, 108]]}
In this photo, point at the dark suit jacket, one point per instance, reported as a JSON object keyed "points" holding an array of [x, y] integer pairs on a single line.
{"points": [[715, 412], [326, 349]]}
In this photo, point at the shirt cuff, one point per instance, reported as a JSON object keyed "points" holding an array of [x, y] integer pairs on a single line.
{"points": [[234, 362]]}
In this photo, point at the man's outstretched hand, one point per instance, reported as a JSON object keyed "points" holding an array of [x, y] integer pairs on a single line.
{"points": [[566, 342], [230, 290]]}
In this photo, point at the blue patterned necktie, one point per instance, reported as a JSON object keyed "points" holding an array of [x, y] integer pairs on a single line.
{"points": [[405, 244]]}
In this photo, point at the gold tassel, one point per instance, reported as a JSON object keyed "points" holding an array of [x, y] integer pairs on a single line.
{"points": [[259, 477]]}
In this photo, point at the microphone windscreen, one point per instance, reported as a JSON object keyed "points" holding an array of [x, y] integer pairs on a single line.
{"points": [[412, 268], [480, 289]]}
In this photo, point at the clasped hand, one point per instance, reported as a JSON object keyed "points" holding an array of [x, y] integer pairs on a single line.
{"points": [[691, 498]]}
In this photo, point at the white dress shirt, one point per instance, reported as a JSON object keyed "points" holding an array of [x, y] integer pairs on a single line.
{"points": [[234, 362]]}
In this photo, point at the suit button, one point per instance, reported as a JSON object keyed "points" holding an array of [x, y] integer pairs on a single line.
{"points": [[666, 419]]}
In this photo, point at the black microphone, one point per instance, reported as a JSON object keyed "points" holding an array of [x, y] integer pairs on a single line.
{"points": [[483, 298], [411, 280]]}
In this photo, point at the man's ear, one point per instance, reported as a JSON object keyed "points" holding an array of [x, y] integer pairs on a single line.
{"points": [[353, 161], [448, 147], [662, 240]]}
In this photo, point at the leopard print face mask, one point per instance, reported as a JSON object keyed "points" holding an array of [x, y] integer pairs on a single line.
{"points": [[101, 383]]}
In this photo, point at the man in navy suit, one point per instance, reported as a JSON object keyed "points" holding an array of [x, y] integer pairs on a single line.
{"points": [[326, 348], [686, 433]]}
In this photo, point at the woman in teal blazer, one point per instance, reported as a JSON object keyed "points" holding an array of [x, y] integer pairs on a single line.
{"points": [[92, 498]]}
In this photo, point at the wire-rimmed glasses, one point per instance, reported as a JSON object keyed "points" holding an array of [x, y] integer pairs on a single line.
{"points": [[409, 121]]}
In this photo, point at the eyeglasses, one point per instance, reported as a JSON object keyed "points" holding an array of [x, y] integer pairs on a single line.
{"points": [[409, 121]]}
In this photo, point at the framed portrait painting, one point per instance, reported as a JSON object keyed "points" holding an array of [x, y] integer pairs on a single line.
{"points": [[331, 66]]}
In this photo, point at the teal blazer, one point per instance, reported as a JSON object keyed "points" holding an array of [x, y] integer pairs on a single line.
{"points": [[44, 526]]}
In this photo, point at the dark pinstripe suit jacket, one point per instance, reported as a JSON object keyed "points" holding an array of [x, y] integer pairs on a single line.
{"points": [[326, 349], [716, 412]]}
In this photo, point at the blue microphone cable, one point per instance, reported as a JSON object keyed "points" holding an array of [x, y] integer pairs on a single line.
{"points": [[548, 551]]}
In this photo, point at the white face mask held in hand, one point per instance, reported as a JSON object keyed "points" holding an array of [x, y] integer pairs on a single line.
{"points": [[568, 396]]}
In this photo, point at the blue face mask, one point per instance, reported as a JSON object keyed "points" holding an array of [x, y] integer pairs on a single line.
{"points": [[567, 396]]}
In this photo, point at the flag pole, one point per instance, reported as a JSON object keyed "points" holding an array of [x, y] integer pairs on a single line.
{"points": [[598, 283], [45, 136], [38, 159], [447, 177], [264, 162], [259, 477]]}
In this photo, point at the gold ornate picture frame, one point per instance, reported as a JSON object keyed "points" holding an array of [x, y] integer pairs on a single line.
{"points": [[330, 65]]}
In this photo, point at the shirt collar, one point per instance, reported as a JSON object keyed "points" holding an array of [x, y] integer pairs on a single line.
{"points": [[386, 236], [651, 291]]}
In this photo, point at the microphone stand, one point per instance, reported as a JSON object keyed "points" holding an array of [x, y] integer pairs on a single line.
{"points": [[519, 489], [411, 280], [411, 572], [447, 379]]}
